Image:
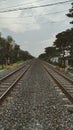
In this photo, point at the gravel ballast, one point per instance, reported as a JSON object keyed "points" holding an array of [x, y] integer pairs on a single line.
{"points": [[37, 105]]}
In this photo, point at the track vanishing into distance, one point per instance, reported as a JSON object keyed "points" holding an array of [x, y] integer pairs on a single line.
{"points": [[34, 102], [8, 82], [64, 82]]}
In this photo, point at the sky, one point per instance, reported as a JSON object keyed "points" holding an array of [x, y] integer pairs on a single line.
{"points": [[34, 29]]}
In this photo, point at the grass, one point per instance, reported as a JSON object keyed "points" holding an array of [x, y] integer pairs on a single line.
{"points": [[19, 62], [11, 65], [2, 67]]}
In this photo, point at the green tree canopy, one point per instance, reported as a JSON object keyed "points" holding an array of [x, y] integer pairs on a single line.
{"points": [[64, 40], [70, 14], [10, 53], [51, 51]]}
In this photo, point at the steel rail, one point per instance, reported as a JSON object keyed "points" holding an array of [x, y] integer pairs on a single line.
{"points": [[4, 95], [8, 75], [62, 87], [70, 80]]}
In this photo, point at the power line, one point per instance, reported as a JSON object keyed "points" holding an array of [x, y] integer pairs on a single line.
{"points": [[3, 0], [47, 22], [33, 7], [32, 16], [36, 15], [25, 3]]}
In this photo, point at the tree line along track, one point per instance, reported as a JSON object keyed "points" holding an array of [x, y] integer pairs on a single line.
{"points": [[64, 82], [8, 82]]}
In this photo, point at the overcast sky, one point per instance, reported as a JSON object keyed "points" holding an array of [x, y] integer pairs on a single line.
{"points": [[34, 29]]}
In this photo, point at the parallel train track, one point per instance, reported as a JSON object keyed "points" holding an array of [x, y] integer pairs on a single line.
{"points": [[64, 82], [8, 82]]}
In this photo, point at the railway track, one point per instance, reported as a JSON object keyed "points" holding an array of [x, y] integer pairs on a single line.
{"points": [[64, 82], [8, 82]]}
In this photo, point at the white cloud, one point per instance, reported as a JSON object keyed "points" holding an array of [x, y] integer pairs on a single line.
{"points": [[19, 21], [34, 30], [17, 24], [38, 47]]}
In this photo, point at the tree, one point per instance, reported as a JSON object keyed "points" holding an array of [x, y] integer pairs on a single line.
{"points": [[0, 34], [70, 14], [64, 41], [51, 51], [25, 55], [10, 52], [9, 48], [16, 51], [3, 50], [43, 56], [9, 39]]}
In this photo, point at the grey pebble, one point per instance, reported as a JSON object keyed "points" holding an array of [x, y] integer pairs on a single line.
{"points": [[36, 106]]}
